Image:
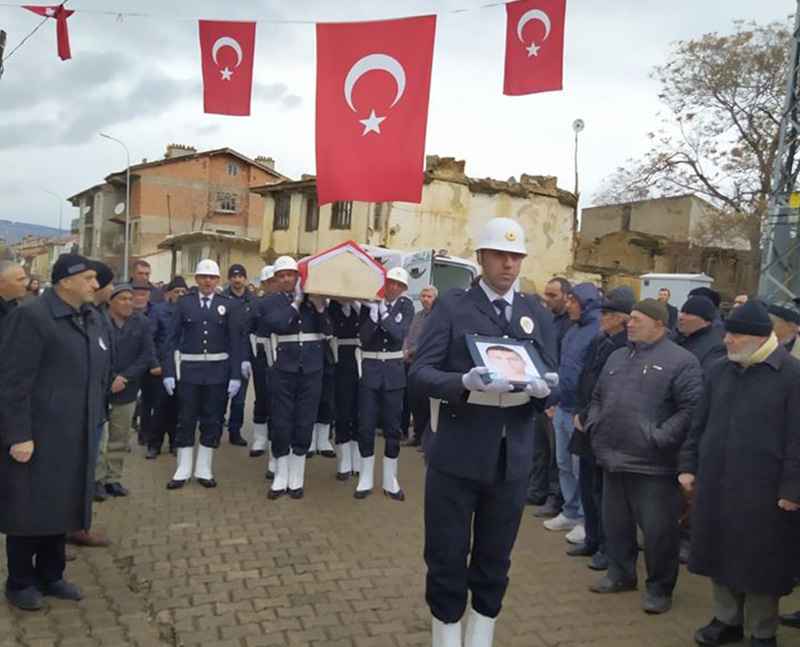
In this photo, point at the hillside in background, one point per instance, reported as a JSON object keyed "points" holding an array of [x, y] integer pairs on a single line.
{"points": [[13, 232]]}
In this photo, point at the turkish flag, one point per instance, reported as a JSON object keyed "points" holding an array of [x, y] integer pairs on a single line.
{"points": [[373, 85], [227, 51], [60, 15], [534, 46]]}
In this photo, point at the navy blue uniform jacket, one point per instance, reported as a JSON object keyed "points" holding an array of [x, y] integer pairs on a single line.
{"points": [[386, 336], [280, 318]]}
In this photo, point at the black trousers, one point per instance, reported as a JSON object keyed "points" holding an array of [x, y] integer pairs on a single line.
{"points": [[654, 504], [544, 472], [590, 481], [166, 419], [261, 388], [379, 406], [470, 529], [421, 408], [295, 402], [327, 402], [346, 400], [408, 407], [204, 404], [35, 560]]}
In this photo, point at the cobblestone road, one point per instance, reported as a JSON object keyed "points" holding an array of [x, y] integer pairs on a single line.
{"points": [[229, 568]]}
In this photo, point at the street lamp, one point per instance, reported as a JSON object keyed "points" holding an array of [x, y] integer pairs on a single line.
{"points": [[127, 203], [577, 126], [60, 207]]}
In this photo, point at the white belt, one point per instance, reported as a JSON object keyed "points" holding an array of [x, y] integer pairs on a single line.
{"points": [[379, 355], [292, 339], [348, 342], [190, 357], [481, 398]]}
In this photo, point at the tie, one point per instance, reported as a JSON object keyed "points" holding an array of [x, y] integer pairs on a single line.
{"points": [[500, 305], [206, 304]]}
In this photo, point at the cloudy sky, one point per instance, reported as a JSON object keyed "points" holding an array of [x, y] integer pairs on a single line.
{"points": [[138, 78]]}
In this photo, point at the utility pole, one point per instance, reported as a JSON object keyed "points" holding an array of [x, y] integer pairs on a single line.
{"points": [[780, 260], [2, 50]]}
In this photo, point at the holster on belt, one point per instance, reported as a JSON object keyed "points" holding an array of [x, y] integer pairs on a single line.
{"points": [[359, 357], [274, 342], [334, 344], [177, 357], [253, 344]]}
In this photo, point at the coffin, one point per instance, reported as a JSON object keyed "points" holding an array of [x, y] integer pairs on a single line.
{"points": [[345, 271]]}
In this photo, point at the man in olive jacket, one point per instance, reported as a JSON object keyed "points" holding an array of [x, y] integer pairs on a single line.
{"points": [[53, 351], [638, 420]]}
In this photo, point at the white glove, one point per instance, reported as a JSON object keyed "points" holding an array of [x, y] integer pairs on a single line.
{"points": [[537, 388], [551, 379], [247, 370], [357, 306], [233, 387], [374, 312], [169, 385], [346, 309], [473, 381], [298, 294]]}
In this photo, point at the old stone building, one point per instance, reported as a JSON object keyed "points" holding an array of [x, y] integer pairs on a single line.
{"points": [[186, 191], [454, 207]]}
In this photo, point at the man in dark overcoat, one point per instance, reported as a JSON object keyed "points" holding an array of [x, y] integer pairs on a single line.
{"points": [[53, 350], [742, 458]]}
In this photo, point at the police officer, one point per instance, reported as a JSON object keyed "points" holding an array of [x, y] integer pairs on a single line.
{"points": [[298, 326], [383, 327], [345, 319], [481, 448], [321, 436], [204, 350], [239, 294], [260, 357]]}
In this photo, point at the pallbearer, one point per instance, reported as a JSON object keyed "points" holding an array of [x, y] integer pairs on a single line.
{"points": [[345, 318], [481, 448], [383, 327], [261, 357], [204, 364]]}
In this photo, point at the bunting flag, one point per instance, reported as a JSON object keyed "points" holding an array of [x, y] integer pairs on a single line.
{"points": [[373, 86], [534, 46], [227, 51], [60, 15]]}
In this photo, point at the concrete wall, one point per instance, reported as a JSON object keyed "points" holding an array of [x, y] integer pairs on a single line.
{"points": [[670, 217]]}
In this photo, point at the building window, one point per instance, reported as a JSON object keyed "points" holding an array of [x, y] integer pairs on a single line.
{"points": [[233, 169], [226, 202], [341, 215], [281, 221], [312, 214]]}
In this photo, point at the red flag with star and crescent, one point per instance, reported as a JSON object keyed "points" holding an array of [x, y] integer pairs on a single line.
{"points": [[373, 86], [60, 15], [534, 46], [227, 51]]}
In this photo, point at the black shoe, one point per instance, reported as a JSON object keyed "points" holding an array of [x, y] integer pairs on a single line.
{"points": [[606, 585], [152, 453], [176, 484], [361, 494], [581, 550], [29, 599], [311, 454], [717, 632], [599, 562], [116, 489], [62, 590], [207, 483], [396, 496], [791, 620], [269, 476], [763, 642], [296, 494], [536, 499], [549, 510], [99, 492], [236, 439], [255, 453], [656, 604], [342, 476], [328, 454], [272, 495]]}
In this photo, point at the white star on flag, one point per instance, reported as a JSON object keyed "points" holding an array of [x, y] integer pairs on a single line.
{"points": [[227, 73], [50, 11], [533, 50], [372, 123]]}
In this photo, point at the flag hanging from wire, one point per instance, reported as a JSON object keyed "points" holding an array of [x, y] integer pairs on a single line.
{"points": [[60, 15]]}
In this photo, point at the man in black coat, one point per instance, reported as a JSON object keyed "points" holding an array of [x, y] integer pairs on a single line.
{"points": [[639, 418], [664, 295], [615, 312], [13, 286], [697, 333], [50, 389], [742, 459]]}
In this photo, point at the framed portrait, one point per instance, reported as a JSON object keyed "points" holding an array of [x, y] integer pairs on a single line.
{"points": [[513, 359]]}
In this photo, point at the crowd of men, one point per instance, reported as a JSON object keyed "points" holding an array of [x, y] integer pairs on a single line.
{"points": [[628, 415]]}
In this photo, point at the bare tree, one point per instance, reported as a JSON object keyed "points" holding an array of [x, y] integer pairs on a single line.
{"points": [[718, 134]]}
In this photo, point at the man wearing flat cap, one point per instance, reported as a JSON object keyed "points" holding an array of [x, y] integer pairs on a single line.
{"points": [[54, 351], [638, 420], [742, 460], [786, 320]]}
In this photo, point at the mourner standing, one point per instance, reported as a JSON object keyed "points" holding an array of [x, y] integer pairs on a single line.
{"points": [[13, 287], [664, 295], [204, 367], [54, 351], [786, 320], [298, 325], [742, 460], [481, 445], [383, 327], [414, 405], [696, 332], [238, 293]]}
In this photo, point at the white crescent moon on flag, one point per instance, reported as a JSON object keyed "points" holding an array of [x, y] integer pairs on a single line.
{"points": [[375, 62], [227, 41], [534, 14]]}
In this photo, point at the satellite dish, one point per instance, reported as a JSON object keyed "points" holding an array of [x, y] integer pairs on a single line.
{"points": [[119, 209], [578, 125]]}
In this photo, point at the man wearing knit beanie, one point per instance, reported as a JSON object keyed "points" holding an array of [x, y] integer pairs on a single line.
{"points": [[741, 463], [696, 332], [640, 415]]}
